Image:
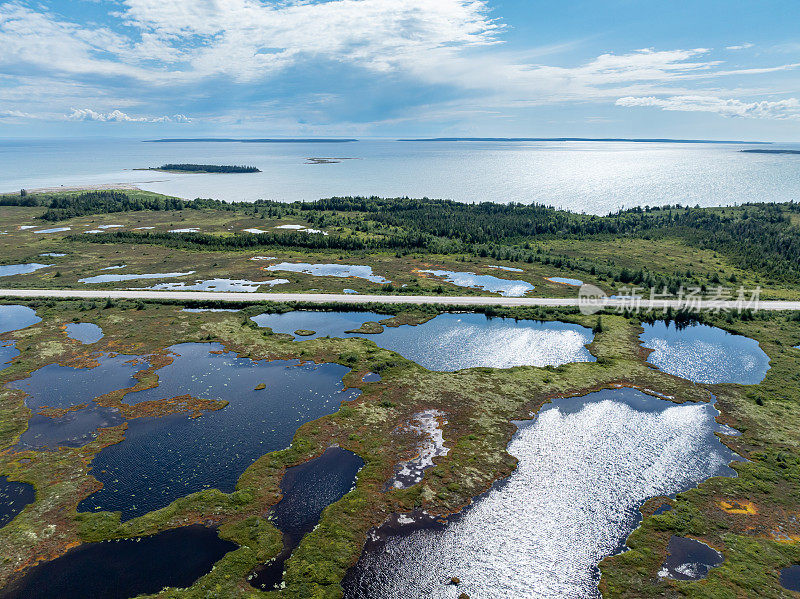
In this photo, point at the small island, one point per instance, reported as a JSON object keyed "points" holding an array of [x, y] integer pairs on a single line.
{"points": [[764, 151], [202, 168]]}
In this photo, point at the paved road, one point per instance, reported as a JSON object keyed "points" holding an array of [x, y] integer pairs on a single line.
{"points": [[355, 299]]}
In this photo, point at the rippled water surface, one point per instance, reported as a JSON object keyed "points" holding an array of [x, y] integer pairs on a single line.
{"points": [[597, 177], [127, 568], [453, 341], [13, 318], [505, 287], [585, 466], [705, 354], [164, 458]]}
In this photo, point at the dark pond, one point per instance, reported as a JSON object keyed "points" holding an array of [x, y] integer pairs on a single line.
{"points": [[126, 568], [371, 377], [586, 465], [454, 341], [8, 351], [74, 429], [307, 490], [85, 332], [790, 578], [58, 386], [705, 354], [688, 559], [13, 318], [165, 458], [14, 496]]}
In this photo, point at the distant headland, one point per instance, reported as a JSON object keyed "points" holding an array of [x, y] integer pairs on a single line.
{"points": [[202, 168], [765, 151]]}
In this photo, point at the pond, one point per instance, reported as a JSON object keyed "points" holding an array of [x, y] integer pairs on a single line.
{"points": [[505, 287], [307, 490], [14, 496], [506, 268], [688, 559], [85, 332], [162, 459], [236, 285], [565, 281], [8, 351], [704, 354], [125, 568], [330, 270], [53, 255], [428, 427], [586, 465], [54, 230], [14, 318], [133, 277], [58, 386], [790, 578], [8, 270], [451, 342], [75, 428]]}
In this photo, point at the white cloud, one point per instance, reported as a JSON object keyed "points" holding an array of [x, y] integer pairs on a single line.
{"points": [[740, 47], [117, 116], [765, 109]]}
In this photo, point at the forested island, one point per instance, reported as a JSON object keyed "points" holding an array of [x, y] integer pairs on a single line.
{"points": [[204, 168]]}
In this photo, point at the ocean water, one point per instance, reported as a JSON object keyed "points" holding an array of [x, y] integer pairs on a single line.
{"points": [[596, 177]]}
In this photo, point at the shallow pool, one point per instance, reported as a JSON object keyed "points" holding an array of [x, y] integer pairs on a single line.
{"points": [[329, 270], [14, 496], [8, 270], [505, 287], [133, 277], [85, 332]]}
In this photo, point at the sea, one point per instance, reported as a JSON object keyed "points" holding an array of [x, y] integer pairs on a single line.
{"points": [[596, 177]]}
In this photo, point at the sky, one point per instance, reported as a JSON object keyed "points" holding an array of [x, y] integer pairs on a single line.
{"points": [[690, 69]]}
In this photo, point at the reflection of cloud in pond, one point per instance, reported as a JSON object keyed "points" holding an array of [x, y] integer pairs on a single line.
{"points": [[237, 285], [330, 270], [133, 277], [504, 287]]}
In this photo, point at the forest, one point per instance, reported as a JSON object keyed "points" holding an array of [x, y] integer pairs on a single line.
{"points": [[205, 168]]}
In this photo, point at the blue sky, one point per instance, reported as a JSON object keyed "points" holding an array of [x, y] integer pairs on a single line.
{"points": [[396, 68]]}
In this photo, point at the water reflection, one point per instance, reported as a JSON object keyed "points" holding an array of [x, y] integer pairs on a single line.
{"points": [[7, 270], [790, 578], [13, 318], [451, 342], [585, 466], [330, 270], [126, 568], [704, 354], [236, 285], [85, 332], [565, 281], [162, 459], [307, 490], [505, 287], [688, 559], [133, 277]]}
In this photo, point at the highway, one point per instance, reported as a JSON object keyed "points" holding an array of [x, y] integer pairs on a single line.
{"points": [[321, 298]]}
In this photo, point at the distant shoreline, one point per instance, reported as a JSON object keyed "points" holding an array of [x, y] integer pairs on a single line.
{"points": [[607, 139], [251, 141], [765, 151], [60, 188]]}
